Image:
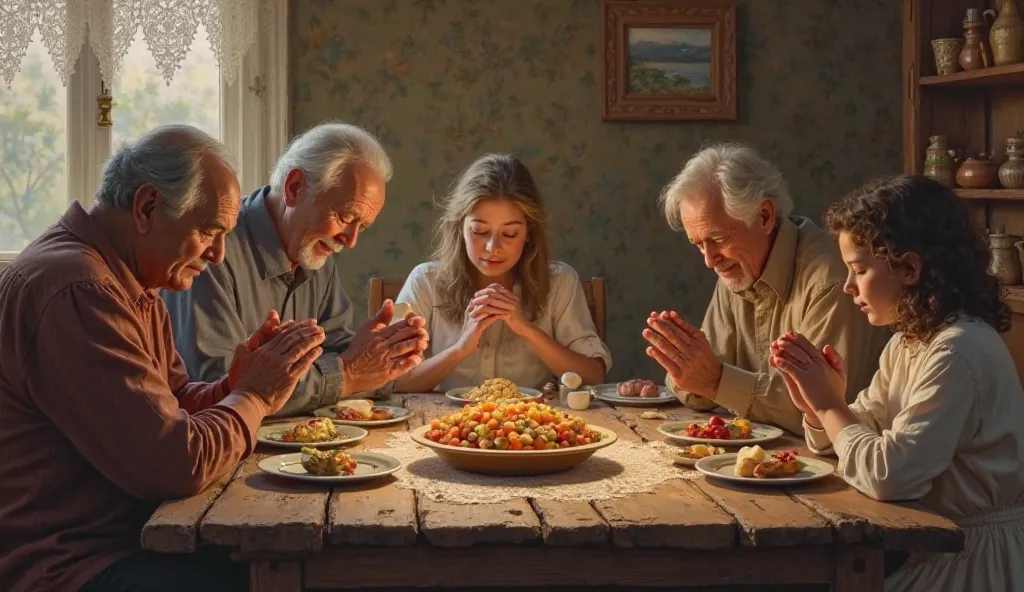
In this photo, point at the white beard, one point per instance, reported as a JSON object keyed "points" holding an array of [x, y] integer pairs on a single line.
{"points": [[310, 259]]}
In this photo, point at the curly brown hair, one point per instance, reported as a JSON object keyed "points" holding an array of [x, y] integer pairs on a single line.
{"points": [[895, 216]]}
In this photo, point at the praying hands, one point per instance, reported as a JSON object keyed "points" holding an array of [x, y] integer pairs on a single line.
{"points": [[684, 352]]}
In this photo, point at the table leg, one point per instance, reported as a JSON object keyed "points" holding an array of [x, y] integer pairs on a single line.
{"points": [[859, 569], [275, 576]]}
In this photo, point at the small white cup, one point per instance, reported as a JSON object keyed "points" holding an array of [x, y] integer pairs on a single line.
{"points": [[578, 400]]}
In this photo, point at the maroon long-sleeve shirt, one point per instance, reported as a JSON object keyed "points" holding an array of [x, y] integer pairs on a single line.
{"points": [[98, 419]]}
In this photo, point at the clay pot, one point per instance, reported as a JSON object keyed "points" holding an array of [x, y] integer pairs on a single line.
{"points": [[978, 173]]}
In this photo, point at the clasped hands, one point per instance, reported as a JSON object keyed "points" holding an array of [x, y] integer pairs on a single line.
{"points": [[684, 352], [379, 351], [498, 303], [488, 306], [815, 378]]}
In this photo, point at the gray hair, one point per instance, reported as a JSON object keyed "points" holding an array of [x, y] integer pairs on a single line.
{"points": [[171, 159], [324, 152], [743, 176]]}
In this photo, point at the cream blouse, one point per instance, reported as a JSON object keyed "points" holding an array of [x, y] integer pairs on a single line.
{"points": [[501, 353], [943, 422]]}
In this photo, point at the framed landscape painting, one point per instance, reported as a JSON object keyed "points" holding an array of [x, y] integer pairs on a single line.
{"points": [[669, 61]]}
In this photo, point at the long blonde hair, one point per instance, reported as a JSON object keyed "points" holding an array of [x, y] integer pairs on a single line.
{"points": [[492, 176]]}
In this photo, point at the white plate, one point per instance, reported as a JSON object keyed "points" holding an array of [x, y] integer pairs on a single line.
{"points": [[331, 411], [459, 394], [761, 433], [368, 466], [270, 434], [722, 467], [609, 393]]}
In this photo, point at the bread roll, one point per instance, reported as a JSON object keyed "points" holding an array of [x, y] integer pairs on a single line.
{"points": [[363, 406]]}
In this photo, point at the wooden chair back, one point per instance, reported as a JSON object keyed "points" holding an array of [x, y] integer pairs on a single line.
{"points": [[594, 290]]}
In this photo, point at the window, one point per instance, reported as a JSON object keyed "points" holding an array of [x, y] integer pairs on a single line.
{"points": [[52, 146], [33, 147], [144, 100]]}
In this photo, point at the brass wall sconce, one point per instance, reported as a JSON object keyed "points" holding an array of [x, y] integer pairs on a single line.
{"points": [[105, 103]]}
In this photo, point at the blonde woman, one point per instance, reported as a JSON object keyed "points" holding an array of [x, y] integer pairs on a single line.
{"points": [[495, 305]]}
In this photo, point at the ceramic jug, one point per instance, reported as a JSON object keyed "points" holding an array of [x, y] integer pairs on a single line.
{"points": [[1011, 174], [1020, 253], [1005, 262], [1006, 37], [975, 53], [940, 160]]}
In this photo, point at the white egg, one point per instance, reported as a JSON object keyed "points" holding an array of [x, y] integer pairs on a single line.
{"points": [[571, 380]]}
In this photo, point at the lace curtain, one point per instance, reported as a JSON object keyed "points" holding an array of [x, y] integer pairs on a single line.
{"points": [[169, 26]]}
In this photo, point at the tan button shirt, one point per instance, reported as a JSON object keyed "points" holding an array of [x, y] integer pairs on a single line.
{"points": [[943, 422], [502, 354], [800, 289]]}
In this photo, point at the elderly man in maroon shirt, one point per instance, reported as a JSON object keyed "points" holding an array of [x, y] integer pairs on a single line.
{"points": [[98, 419]]}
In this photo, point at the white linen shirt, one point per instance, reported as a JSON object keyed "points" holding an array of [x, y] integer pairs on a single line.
{"points": [[501, 353], [943, 422]]}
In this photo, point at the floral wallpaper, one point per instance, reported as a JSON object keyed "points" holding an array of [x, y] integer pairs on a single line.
{"points": [[443, 81]]}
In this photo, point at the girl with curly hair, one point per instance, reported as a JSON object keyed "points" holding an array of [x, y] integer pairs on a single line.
{"points": [[943, 418], [495, 304]]}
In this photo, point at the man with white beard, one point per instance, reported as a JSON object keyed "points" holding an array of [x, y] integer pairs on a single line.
{"points": [[326, 188], [777, 273]]}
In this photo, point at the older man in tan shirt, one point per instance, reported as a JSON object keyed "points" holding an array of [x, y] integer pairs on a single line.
{"points": [[777, 273]]}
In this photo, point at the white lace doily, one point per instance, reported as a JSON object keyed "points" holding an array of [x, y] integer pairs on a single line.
{"points": [[169, 27], [620, 470]]}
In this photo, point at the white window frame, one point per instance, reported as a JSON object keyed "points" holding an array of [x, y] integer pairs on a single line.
{"points": [[255, 114]]}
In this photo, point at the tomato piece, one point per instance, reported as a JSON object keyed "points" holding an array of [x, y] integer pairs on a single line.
{"points": [[716, 421]]}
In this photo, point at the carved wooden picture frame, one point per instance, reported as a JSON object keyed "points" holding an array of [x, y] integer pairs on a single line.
{"points": [[669, 61]]}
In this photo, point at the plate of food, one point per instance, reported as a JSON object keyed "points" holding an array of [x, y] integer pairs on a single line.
{"points": [[493, 389], [720, 432], [330, 465], [689, 455], [753, 466], [309, 432], [634, 392], [362, 412], [511, 437]]}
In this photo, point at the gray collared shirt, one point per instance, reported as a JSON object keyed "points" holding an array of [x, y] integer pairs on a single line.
{"points": [[230, 301]]}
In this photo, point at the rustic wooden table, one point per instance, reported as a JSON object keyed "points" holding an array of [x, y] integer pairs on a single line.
{"points": [[685, 533]]}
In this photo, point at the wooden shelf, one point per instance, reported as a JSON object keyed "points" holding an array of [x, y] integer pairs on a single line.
{"points": [[1007, 76], [991, 193]]}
